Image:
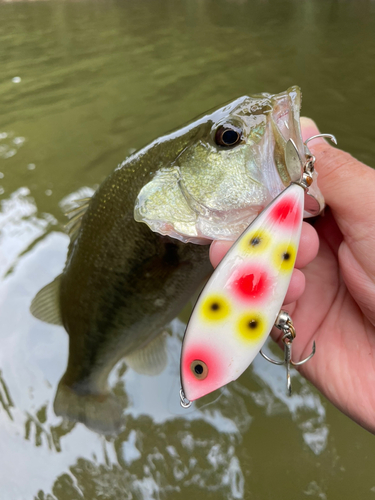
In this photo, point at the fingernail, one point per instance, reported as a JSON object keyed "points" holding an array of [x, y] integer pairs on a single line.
{"points": [[308, 122]]}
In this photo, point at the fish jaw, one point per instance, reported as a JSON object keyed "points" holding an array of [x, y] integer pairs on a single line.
{"points": [[211, 192], [239, 305]]}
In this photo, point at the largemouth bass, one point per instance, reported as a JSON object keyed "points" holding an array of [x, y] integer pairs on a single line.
{"points": [[139, 246]]}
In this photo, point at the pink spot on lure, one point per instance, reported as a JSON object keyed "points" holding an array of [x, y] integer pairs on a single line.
{"points": [[251, 283], [211, 361]]}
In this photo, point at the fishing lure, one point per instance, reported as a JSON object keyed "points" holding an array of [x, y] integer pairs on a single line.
{"points": [[241, 302]]}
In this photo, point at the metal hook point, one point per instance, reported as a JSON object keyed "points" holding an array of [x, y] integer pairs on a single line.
{"points": [[299, 363], [329, 136]]}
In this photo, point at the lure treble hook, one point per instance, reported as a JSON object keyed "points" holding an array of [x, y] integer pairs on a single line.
{"points": [[285, 324]]}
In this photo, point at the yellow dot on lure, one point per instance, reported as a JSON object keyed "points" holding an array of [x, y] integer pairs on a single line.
{"points": [[255, 241], [215, 308], [284, 257], [252, 326]]}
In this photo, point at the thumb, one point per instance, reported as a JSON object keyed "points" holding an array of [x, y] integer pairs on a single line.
{"points": [[347, 184], [348, 187]]}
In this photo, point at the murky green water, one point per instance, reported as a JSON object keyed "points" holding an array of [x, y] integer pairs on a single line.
{"points": [[81, 85]]}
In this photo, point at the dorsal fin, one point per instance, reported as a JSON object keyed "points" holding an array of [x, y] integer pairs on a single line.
{"points": [[75, 217], [46, 304]]}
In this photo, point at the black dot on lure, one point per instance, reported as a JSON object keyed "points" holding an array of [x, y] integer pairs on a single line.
{"points": [[198, 369], [215, 306], [255, 241], [253, 324]]}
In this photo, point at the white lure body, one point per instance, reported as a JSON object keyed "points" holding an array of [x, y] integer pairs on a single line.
{"points": [[239, 305]]}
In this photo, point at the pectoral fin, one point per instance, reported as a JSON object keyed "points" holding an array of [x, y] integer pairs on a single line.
{"points": [[152, 359], [46, 304]]}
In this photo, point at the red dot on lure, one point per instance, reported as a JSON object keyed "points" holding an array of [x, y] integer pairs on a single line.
{"points": [[287, 212], [251, 283]]}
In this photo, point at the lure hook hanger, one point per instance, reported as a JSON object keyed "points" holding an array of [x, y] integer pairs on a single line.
{"points": [[285, 324], [310, 158]]}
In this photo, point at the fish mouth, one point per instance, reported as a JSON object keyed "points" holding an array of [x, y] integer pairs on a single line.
{"points": [[285, 119], [285, 125]]}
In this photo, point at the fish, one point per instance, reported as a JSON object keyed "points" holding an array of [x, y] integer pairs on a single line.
{"points": [[139, 247], [239, 305]]}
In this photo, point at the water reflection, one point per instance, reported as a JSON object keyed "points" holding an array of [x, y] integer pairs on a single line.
{"points": [[305, 406], [5, 399], [19, 227], [9, 144]]}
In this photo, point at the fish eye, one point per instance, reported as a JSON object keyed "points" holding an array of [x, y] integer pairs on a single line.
{"points": [[199, 369], [228, 135]]}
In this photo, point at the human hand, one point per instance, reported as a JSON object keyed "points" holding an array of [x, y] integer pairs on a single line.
{"points": [[333, 300]]}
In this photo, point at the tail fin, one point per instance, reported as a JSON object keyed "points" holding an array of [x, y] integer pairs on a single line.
{"points": [[101, 413]]}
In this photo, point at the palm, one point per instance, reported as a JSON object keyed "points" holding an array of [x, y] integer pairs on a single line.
{"points": [[345, 338]]}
